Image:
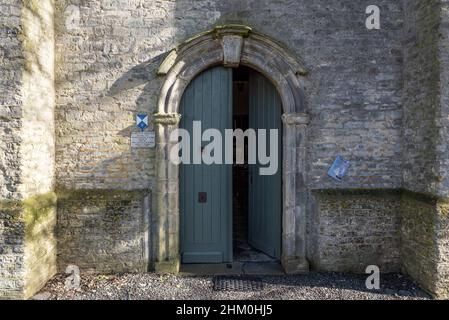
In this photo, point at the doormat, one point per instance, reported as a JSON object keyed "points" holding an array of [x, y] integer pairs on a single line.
{"points": [[237, 283]]}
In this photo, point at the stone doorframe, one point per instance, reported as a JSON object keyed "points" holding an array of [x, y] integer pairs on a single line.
{"points": [[231, 46]]}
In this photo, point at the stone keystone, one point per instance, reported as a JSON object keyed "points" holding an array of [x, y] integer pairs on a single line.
{"points": [[232, 50]]}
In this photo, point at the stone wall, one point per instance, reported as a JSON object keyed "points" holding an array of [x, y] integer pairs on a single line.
{"points": [[383, 108], [107, 56], [425, 239], [425, 97], [354, 94], [350, 230], [11, 250], [442, 122], [39, 250], [38, 144], [425, 242], [103, 231], [421, 94], [27, 100], [38, 99], [11, 62], [27, 245], [11, 236], [108, 52]]}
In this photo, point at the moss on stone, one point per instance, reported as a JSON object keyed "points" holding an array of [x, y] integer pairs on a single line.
{"points": [[10, 205], [32, 209], [39, 215], [37, 209], [35, 217]]}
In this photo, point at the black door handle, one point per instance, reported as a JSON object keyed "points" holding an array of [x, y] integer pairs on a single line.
{"points": [[202, 197]]}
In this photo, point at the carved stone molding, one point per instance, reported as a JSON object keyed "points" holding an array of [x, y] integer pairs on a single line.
{"points": [[232, 29], [167, 118], [295, 118], [232, 45], [168, 62]]}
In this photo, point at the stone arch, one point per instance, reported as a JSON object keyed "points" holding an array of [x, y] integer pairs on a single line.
{"points": [[231, 46]]}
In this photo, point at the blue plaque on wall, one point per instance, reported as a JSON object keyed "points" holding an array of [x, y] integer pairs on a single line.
{"points": [[339, 168]]}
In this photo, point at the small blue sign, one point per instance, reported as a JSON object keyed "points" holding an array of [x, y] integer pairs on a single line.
{"points": [[142, 121], [339, 168]]}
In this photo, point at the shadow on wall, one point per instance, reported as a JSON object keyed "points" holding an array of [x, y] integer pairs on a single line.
{"points": [[107, 160], [105, 116], [103, 230], [139, 75], [94, 128]]}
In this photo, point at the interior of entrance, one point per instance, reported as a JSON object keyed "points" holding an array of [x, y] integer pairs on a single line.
{"points": [[242, 250]]}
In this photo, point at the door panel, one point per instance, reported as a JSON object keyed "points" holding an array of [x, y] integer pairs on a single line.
{"points": [[206, 190], [265, 192]]}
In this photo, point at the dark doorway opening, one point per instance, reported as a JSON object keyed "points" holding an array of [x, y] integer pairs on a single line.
{"points": [[242, 250]]}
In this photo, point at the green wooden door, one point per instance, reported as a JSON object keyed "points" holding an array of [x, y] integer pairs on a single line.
{"points": [[265, 191], [205, 190]]}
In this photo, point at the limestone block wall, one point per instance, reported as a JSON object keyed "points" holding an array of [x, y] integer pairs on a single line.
{"points": [[442, 122], [350, 230], [421, 94], [74, 74], [11, 62], [104, 231], [38, 99], [38, 144], [27, 201], [425, 244], [27, 245], [39, 250], [107, 53], [425, 240], [11, 252]]}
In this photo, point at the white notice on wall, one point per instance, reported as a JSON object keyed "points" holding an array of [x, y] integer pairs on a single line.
{"points": [[140, 140]]}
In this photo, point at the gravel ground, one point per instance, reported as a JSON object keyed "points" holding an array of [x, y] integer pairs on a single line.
{"points": [[150, 286]]}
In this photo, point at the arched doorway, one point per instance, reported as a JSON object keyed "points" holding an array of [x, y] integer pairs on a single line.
{"points": [[231, 210], [231, 46]]}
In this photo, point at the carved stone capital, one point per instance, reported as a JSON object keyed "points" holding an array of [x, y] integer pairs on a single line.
{"points": [[295, 119], [167, 118]]}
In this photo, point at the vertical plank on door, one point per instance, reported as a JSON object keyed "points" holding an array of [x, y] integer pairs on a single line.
{"points": [[205, 227], [265, 192]]}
